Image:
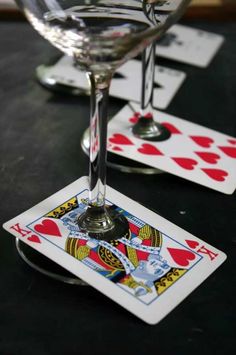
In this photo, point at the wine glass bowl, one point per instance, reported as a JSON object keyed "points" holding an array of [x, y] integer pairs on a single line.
{"points": [[101, 35]]}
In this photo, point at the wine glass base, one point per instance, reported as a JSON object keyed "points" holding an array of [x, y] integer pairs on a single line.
{"points": [[50, 83], [120, 163], [103, 223], [46, 266], [158, 133]]}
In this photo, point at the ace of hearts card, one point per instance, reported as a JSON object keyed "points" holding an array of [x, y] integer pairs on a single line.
{"points": [[148, 271]]}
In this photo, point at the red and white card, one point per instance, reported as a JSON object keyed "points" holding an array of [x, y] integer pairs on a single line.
{"points": [[193, 152], [148, 272]]}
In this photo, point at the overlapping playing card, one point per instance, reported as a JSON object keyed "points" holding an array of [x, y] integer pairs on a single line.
{"points": [[150, 271]]}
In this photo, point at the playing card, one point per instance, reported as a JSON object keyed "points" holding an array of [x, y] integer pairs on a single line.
{"points": [[149, 271], [126, 83], [193, 152], [189, 45], [167, 5], [167, 82], [7, 4]]}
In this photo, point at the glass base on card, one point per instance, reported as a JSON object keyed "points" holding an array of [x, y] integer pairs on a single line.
{"points": [[120, 163], [50, 83], [146, 128], [46, 266], [103, 223]]}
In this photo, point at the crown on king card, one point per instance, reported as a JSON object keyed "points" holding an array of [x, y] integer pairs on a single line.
{"points": [[166, 281], [64, 208]]}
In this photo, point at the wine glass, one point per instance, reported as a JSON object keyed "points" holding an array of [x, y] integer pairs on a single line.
{"points": [[100, 35], [145, 127]]}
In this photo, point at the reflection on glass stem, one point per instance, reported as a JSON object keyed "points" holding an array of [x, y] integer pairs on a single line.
{"points": [[145, 127]]}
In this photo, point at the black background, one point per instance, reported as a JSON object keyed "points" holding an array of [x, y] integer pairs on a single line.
{"points": [[40, 153]]}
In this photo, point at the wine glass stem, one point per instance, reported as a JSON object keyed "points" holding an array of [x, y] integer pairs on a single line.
{"points": [[148, 74], [146, 128], [98, 137], [98, 220]]}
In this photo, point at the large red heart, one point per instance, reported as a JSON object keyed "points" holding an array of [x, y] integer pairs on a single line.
{"points": [[171, 128], [216, 174], [192, 243], [118, 138], [181, 256], [34, 238], [230, 151], [202, 141], [48, 227], [149, 149], [209, 157], [186, 163]]}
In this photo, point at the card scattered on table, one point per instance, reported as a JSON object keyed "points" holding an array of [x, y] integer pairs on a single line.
{"points": [[193, 152], [167, 5], [7, 4], [189, 45], [148, 272], [126, 83]]}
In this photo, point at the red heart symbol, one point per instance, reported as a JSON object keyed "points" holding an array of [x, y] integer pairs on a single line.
{"points": [[202, 141], [149, 149], [181, 256], [210, 158], [48, 227], [34, 238], [171, 128], [192, 243], [216, 174], [185, 163], [149, 115], [133, 119], [230, 151], [120, 139], [232, 141], [117, 149]]}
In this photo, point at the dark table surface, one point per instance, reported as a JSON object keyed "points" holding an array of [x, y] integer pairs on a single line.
{"points": [[40, 153]]}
